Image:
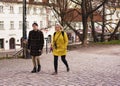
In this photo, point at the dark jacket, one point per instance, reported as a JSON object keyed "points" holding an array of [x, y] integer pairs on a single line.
{"points": [[35, 42]]}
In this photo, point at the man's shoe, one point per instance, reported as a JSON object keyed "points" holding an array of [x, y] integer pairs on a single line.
{"points": [[55, 73], [34, 70], [39, 68]]}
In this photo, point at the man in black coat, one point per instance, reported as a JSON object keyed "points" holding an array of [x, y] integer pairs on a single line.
{"points": [[35, 46]]}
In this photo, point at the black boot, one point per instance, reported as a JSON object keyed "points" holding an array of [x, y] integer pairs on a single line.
{"points": [[39, 68], [68, 69], [34, 70], [54, 73]]}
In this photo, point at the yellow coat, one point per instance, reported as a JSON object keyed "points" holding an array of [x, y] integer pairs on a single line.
{"points": [[62, 42]]}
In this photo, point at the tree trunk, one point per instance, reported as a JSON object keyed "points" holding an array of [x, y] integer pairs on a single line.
{"points": [[85, 30], [95, 39], [93, 25], [103, 26], [84, 21], [76, 32]]}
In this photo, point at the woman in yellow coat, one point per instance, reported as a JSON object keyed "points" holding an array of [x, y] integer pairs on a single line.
{"points": [[59, 46]]}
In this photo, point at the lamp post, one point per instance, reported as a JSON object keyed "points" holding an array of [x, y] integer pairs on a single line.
{"points": [[24, 30], [46, 45]]}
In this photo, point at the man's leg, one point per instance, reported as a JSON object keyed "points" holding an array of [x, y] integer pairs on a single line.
{"points": [[34, 64], [38, 63]]}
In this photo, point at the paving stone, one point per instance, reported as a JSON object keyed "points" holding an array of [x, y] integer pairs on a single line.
{"points": [[87, 68]]}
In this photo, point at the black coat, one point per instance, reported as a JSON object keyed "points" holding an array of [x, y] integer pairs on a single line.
{"points": [[35, 42]]}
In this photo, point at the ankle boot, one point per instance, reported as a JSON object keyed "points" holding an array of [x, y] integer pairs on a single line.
{"points": [[68, 69], [34, 70], [39, 68], [54, 73]]}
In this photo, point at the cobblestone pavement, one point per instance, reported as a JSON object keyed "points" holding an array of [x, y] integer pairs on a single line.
{"points": [[89, 67]]}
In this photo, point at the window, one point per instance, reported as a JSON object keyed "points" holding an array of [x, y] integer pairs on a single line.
{"points": [[37, 0], [1, 43], [20, 10], [28, 10], [21, 0], [49, 23], [34, 10], [20, 24], [1, 9], [11, 25], [41, 10], [41, 24], [118, 14], [56, 22], [11, 9], [1, 25], [53, 23], [81, 25], [27, 25]]}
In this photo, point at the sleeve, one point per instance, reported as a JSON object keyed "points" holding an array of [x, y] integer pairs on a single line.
{"points": [[65, 39], [29, 40], [41, 40]]}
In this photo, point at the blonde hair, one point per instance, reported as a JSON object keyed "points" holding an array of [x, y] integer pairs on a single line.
{"points": [[61, 27]]}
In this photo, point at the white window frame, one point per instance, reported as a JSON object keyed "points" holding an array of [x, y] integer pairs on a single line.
{"points": [[41, 24], [20, 25], [12, 25], [20, 10], [11, 9], [1, 25], [1, 8]]}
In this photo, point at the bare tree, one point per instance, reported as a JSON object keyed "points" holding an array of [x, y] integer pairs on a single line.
{"points": [[87, 9], [62, 8], [108, 10], [94, 34], [86, 12], [116, 29]]}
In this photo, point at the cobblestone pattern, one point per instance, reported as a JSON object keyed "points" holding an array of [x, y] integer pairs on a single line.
{"points": [[86, 69]]}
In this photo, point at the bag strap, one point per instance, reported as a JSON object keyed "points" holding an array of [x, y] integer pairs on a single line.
{"points": [[63, 36], [57, 37]]}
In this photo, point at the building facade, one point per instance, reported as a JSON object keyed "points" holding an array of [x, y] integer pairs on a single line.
{"points": [[11, 21]]}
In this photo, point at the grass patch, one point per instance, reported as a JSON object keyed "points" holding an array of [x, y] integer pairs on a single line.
{"points": [[113, 42]]}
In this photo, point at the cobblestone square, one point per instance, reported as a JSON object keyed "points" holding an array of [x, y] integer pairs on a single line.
{"points": [[92, 66]]}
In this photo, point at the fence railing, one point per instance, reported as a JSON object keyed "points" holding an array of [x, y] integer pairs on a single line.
{"points": [[18, 53]]}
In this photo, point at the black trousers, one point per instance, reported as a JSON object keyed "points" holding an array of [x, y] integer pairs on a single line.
{"points": [[56, 62]]}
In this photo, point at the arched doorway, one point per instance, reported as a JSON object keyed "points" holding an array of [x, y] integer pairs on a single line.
{"points": [[12, 43]]}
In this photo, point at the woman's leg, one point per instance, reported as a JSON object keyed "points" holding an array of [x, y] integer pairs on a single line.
{"points": [[55, 64], [65, 62]]}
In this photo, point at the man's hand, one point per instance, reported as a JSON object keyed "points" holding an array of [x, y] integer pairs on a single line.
{"points": [[25, 41], [41, 51]]}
